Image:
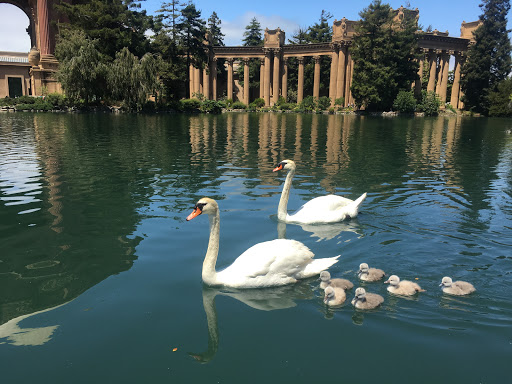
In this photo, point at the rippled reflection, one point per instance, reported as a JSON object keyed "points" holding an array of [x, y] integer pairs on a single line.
{"points": [[267, 299]]}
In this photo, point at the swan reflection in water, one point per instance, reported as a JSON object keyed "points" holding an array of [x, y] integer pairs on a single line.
{"points": [[263, 299], [322, 231], [15, 335]]}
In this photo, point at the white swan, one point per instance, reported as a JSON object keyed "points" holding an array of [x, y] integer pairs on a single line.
{"points": [[323, 209], [268, 264]]}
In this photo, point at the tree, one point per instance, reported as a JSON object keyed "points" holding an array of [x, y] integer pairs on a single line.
{"points": [[384, 51], [501, 100], [132, 80], [252, 38], [214, 29], [252, 34], [321, 32], [82, 69], [192, 30], [167, 15], [489, 60], [116, 23]]}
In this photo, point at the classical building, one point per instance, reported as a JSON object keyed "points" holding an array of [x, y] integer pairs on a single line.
{"points": [[40, 60], [14, 74], [437, 48]]}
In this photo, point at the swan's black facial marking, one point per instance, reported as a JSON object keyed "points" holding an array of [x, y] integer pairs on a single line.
{"points": [[199, 206]]}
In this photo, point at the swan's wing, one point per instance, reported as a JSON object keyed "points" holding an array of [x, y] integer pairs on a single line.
{"points": [[326, 203], [281, 256]]}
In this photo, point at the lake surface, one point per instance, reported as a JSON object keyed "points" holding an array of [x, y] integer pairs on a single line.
{"points": [[100, 274]]}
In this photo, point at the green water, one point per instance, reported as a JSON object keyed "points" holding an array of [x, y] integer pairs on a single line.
{"points": [[100, 274]]}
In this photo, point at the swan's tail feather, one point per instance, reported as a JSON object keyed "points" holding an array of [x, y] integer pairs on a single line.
{"points": [[353, 208], [317, 266]]}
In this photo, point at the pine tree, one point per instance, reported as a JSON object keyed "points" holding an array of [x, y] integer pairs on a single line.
{"points": [[252, 34], [116, 23], [192, 30], [168, 15], [321, 32], [488, 61], [214, 29], [385, 57]]}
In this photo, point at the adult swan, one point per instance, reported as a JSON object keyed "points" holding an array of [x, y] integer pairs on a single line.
{"points": [[268, 264], [323, 209]]}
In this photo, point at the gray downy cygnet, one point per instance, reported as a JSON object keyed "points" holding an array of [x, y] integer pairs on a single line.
{"points": [[364, 300], [458, 288], [334, 296], [404, 287], [337, 283], [366, 273]]}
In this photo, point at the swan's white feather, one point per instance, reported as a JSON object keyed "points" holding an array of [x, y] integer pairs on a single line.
{"points": [[273, 263], [326, 209]]}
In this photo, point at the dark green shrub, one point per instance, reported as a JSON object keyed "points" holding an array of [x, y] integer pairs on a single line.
{"points": [[190, 105], [173, 105], [501, 100], [211, 106], [26, 100], [405, 102], [259, 102], [340, 101], [57, 100], [429, 103], [307, 104], [286, 106], [323, 103], [238, 105]]}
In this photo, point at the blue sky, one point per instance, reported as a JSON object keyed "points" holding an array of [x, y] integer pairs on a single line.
{"points": [[445, 15]]}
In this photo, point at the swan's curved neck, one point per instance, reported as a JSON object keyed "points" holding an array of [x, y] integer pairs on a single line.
{"points": [[283, 203], [209, 273]]}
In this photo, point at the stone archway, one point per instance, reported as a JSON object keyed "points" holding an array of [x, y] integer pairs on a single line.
{"points": [[42, 38]]}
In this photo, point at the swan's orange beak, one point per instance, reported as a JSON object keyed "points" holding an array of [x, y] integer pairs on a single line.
{"points": [[278, 168], [196, 212]]}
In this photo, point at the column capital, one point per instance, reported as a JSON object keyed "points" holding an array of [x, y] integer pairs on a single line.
{"points": [[246, 60], [285, 60], [335, 47], [317, 59], [262, 61], [276, 50], [300, 59], [214, 59], [267, 52], [439, 51], [230, 60]]}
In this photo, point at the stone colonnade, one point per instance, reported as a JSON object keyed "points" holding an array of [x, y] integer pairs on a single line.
{"points": [[437, 48], [438, 62], [274, 76]]}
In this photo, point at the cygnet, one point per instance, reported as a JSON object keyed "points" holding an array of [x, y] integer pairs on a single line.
{"points": [[404, 287], [458, 288], [364, 300], [334, 296], [325, 276], [369, 274]]}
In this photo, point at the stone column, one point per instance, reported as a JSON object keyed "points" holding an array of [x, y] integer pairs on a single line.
{"points": [[267, 77], [417, 83], [347, 82], [333, 74], [454, 97], [44, 27], [246, 81], [284, 86], [206, 83], [262, 78], [340, 78], [214, 79], [440, 71], [230, 78], [444, 81], [276, 76], [300, 85], [432, 60], [191, 80], [197, 80], [350, 97], [316, 80]]}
